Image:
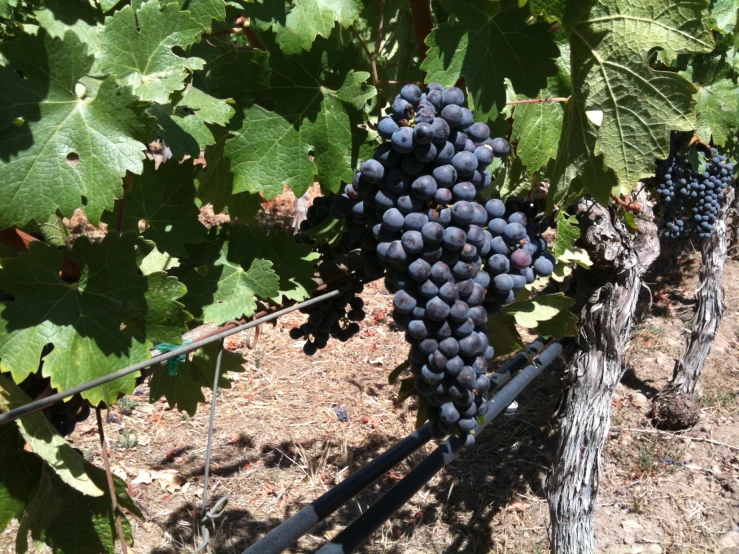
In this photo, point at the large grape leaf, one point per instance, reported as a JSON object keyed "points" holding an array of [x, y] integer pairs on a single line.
{"points": [[45, 442], [19, 472], [106, 321], [304, 126], [184, 391], [69, 521], [538, 127], [487, 42], [215, 186], [164, 200], [137, 47], [725, 13], [240, 265], [718, 111], [308, 19], [62, 147], [79, 16], [205, 11], [620, 113]]}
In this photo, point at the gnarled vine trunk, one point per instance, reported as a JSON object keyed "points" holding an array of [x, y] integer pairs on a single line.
{"points": [[710, 298], [608, 294]]}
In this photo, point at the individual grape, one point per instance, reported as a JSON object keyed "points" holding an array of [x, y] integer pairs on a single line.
{"points": [[425, 152], [449, 347], [448, 293], [441, 130], [437, 309], [463, 329], [385, 199], [440, 273], [482, 278], [479, 132], [444, 154], [453, 95], [425, 115], [502, 283], [428, 346], [430, 376], [437, 360], [459, 311], [404, 302], [408, 203], [458, 139], [424, 187], [465, 163], [396, 254], [386, 127], [500, 147], [397, 182], [443, 196], [498, 264], [402, 140], [484, 155], [393, 220], [454, 237], [443, 217], [495, 208], [452, 114], [423, 133], [448, 413], [435, 98], [412, 241], [428, 289], [419, 270], [411, 93], [520, 259], [401, 109], [372, 171], [514, 232], [463, 191], [543, 267], [462, 212], [467, 119]]}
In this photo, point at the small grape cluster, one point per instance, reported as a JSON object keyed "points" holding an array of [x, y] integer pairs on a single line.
{"points": [[690, 200], [331, 319], [450, 261]]}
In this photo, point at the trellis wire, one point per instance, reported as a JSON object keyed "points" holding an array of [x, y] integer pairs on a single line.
{"points": [[353, 536], [289, 531], [43, 403]]}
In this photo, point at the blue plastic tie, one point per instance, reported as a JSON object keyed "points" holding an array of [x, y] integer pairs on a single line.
{"points": [[173, 363]]}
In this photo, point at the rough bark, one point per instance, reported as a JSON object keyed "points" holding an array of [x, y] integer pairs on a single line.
{"points": [[608, 295], [733, 228], [301, 212], [710, 299]]}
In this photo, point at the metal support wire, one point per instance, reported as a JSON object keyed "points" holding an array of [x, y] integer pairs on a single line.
{"points": [[362, 528], [289, 531], [43, 403], [221, 504]]}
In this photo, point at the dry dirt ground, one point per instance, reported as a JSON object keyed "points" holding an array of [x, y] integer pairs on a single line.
{"points": [[279, 444]]}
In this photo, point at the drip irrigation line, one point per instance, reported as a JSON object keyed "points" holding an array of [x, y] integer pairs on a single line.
{"points": [[358, 532], [43, 403], [289, 531]]}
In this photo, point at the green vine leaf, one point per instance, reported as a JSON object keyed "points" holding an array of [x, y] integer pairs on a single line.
{"points": [[67, 142], [215, 186], [310, 18], [530, 313], [568, 232], [725, 13], [46, 443], [137, 47], [205, 11], [164, 200], [59, 16], [487, 42], [106, 321], [240, 265], [718, 112], [184, 391], [503, 334], [619, 117]]}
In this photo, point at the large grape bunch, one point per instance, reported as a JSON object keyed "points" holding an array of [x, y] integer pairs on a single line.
{"points": [[450, 260], [690, 200]]}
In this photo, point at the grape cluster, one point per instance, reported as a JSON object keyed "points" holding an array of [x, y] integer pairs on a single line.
{"points": [[690, 200], [450, 260], [331, 319]]}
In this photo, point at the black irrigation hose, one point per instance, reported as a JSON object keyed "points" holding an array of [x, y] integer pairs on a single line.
{"points": [[43, 403], [362, 528], [289, 531]]}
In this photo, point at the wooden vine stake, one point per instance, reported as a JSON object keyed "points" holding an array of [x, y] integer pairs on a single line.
{"points": [[607, 296]]}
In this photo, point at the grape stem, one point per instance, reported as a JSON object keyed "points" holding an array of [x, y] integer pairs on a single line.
{"points": [[536, 101]]}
